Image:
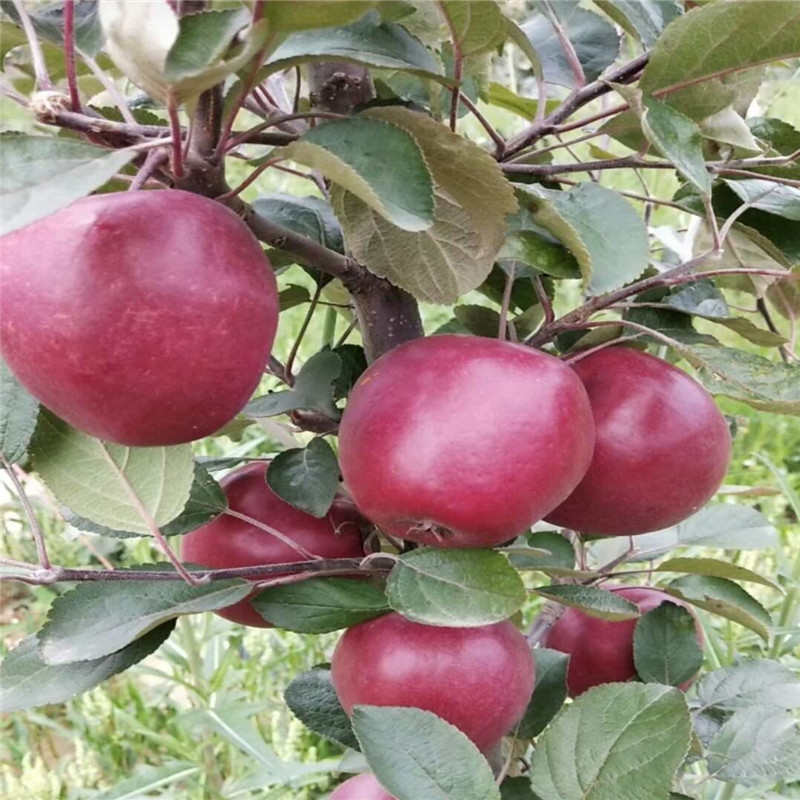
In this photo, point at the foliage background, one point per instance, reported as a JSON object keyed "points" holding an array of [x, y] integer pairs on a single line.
{"points": [[204, 717]]}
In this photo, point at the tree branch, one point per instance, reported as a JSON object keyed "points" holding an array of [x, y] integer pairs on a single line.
{"points": [[327, 566], [577, 99]]}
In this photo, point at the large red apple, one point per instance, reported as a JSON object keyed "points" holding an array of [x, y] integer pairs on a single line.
{"points": [[362, 787], [662, 446], [460, 441], [227, 542], [144, 318], [601, 651], [478, 679]]}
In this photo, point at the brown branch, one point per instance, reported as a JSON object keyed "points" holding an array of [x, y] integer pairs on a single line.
{"points": [[329, 566], [69, 54], [577, 99]]}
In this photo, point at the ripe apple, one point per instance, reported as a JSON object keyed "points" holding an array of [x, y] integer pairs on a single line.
{"points": [[362, 787], [662, 446], [227, 542], [461, 441], [601, 651], [478, 679], [144, 318]]}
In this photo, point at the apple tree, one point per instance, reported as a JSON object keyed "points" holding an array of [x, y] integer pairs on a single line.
{"points": [[506, 510]]}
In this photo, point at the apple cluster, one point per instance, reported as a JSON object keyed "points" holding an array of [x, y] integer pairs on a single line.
{"points": [[147, 319]]}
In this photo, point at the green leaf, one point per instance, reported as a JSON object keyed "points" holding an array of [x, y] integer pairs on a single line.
{"points": [[292, 296], [749, 684], [203, 39], [289, 15], [643, 18], [472, 198], [665, 648], [701, 298], [715, 40], [146, 779], [312, 390], [18, 413], [768, 196], [723, 525], [591, 600], [361, 155], [177, 58], [517, 788], [110, 484], [306, 477], [779, 135], [478, 320], [728, 127], [43, 174], [369, 41], [543, 550], [206, 502], [723, 597], [621, 741], [549, 693], [744, 376], [48, 22], [478, 25], [100, 617], [714, 568], [498, 95], [308, 216], [584, 218], [535, 247], [594, 40], [756, 746], [313, 700], [679, 140], [458, 588], [354, 362], [748, 330], [404, 748], [321, 605], [27, 681]]}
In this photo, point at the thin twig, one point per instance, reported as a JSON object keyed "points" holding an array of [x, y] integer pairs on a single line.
{"points": [[298, 548], [458, 65], [301, 333], [36, 530], [544, 300], [711, 219], [499, 141], [43, 80], [501, 331], [767, 317], [69, 55], [251, 178], [566, 45], [153, 160], [272, 122], [298, 83], [111, 88], [176, 134]]}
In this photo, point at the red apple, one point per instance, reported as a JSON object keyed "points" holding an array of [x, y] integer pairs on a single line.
{"points": [[478, 679], [227, 542], [601, 651], [460, 441], [144, 318], [662, 446], [362, 787]]}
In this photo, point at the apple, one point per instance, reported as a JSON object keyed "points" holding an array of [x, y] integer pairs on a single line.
{"points": [[601, 651], [143, 318], [662, 446], [478, 679], [227, 542], [461, 441], [362, 787]]}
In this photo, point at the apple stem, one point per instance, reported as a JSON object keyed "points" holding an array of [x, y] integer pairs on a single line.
{"points": [[177, 136]]}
